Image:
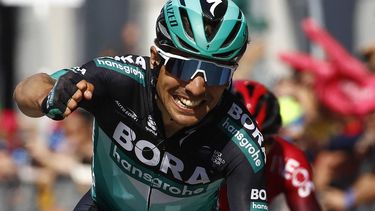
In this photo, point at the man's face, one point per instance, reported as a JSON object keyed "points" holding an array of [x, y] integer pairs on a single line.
{"points": [[186, 103]]}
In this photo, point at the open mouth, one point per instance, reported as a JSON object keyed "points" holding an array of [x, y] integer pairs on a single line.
{"points": [[187, 103]]}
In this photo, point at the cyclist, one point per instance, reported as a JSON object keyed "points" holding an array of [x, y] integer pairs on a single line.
{"points": [[167, 132], [287, 170]]}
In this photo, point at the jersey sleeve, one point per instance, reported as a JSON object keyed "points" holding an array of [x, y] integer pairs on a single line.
{"points": [[245, 188], [299, 187], [97, 76], [300, 193], [110, 77], [245, 158]]}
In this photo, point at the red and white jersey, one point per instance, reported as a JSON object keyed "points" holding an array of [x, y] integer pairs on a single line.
{"points": [[289, 172]]}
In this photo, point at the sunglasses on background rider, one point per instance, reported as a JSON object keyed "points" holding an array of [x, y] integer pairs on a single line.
{"points": [[186, 69]]}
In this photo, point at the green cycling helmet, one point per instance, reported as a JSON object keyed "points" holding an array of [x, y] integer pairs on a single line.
{"points": [[214, 30]]}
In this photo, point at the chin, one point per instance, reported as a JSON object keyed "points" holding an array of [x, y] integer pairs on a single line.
{"points": [[186, 121]]}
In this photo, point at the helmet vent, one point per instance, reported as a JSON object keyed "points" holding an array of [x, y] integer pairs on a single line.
{"points": [[211, 26], [182, 2], [262, 102], [186, 45], [164, 31], [223, 55], [233, 33], [186, 23]]}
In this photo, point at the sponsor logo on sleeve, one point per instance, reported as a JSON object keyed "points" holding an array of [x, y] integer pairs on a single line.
{"points": [[258, 206], [245, 135], [245, 143], [126, 111], [131, 71], [217, 159], [299, 177], [79, 70], [151, 125], [258, 198]]}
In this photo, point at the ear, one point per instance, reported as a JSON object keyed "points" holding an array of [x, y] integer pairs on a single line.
{"points": [[154, 57]]}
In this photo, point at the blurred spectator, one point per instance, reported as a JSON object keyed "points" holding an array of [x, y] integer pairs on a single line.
{"points": [[343, 152], [297, 90], [14, 193], [361, 193], [367, 141], [335, 134], [368, 54], [130, 34], [253, 54], [7, 166], [325, 136], [64, 162]]}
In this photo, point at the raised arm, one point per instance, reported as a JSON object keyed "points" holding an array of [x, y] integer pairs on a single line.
{"points": [[40, 94], [30, 93]]}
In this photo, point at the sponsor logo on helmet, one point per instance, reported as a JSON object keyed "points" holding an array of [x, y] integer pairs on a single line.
{"points": [[213, 6], [170, 14]]}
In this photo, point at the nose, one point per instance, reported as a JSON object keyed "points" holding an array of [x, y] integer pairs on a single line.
{"points": [[196, 86]]}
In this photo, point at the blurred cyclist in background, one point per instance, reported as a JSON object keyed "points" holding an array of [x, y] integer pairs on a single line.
{"points": [[287, 170], [167, 132]]}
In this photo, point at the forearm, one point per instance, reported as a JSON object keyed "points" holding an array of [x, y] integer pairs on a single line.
{"points": [[303, 204], [364, 189], [66, 163], [30, 93]]}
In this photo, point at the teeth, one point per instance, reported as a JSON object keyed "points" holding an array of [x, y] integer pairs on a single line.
{"points": [[187, 103]]}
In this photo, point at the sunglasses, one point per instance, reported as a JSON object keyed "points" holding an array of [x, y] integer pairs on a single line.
{"points": [[186, 69]]}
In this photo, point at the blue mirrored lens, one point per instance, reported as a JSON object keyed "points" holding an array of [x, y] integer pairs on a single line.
{"points": [[186, 69]]}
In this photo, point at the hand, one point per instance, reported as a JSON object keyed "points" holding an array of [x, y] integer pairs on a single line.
{"points": [[68, 91], [84, 92], [333, 199]]}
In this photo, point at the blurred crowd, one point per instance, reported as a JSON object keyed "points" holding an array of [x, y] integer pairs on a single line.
{"points": [[328, 111], [339, 145], [47, 170]]}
